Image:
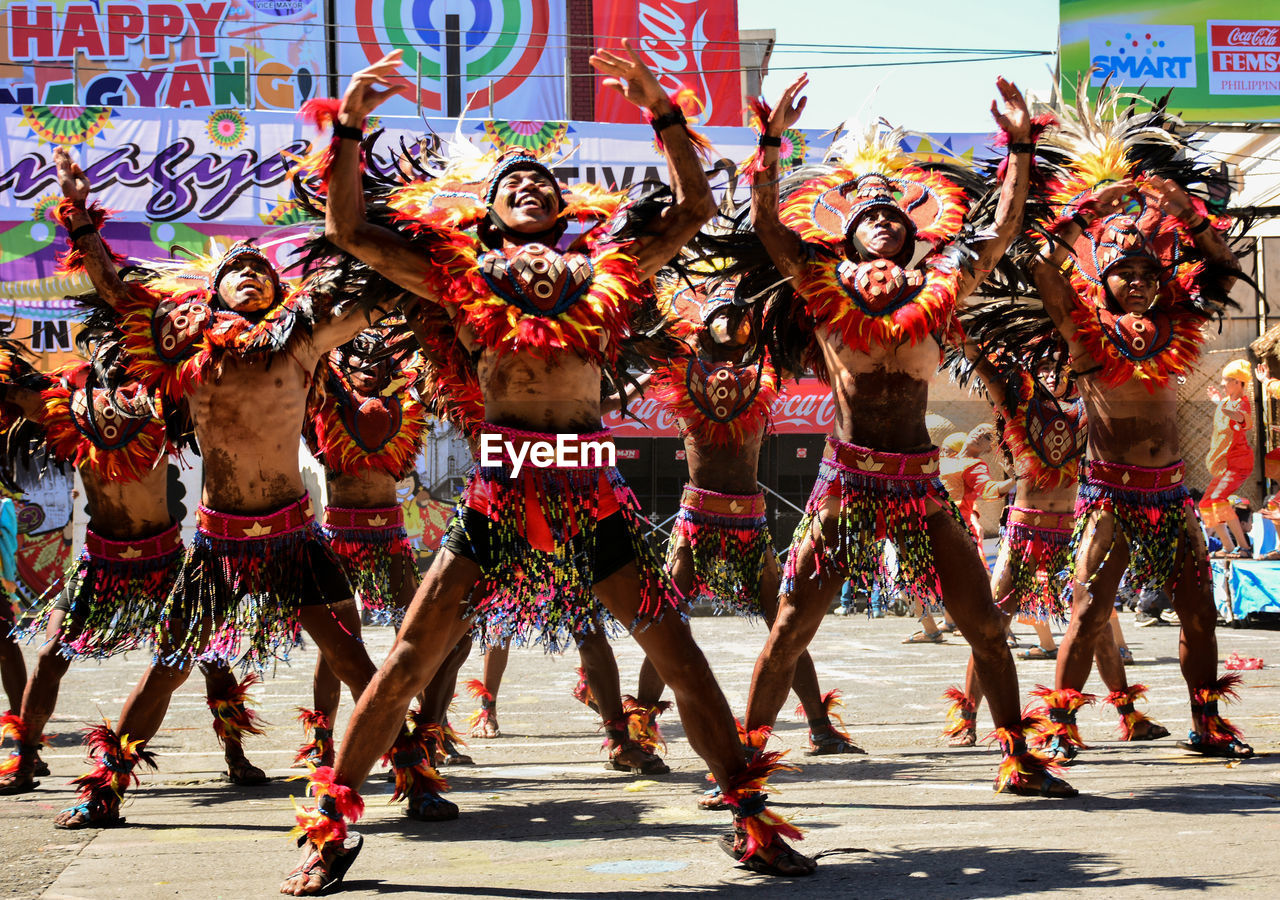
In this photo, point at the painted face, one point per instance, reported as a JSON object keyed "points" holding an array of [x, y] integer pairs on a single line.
{"points": [[882, 232], [527, 201], [1134, 284], [247, 285]]}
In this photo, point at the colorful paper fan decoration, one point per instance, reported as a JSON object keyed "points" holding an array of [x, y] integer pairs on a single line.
{"points": [[66, 126], [43, 211], [227, 128], [285, 212], [540, 138]]}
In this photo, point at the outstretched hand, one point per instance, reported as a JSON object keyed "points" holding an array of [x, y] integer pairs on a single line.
{"points": [[71, 178], [1171, 198], [1107, 199], [1015, 121], [370, 88], [630, 77], [787, 112]]}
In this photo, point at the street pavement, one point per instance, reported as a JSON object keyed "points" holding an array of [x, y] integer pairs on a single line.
{"points": [[542, 818]]}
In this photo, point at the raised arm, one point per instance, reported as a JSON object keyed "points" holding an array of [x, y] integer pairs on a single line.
{"points": [[694, 206], [987, 374], [1048, 266], [785, 247], [345, 224], [1016, 122], [1174, 201], [84, 233]]}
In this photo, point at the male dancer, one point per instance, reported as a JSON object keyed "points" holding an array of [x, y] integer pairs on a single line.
{"points": [[538, 552], [1134, 272], [118, 434], [224, 333], [845, 239], [1044, 435], [1230, 458], [720, 548]]}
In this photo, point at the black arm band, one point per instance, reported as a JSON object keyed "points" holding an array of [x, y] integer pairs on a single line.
{"points": [[1080, 221], [347, 132], [1199, 227], [83, 231], [666, 120], [768, 140], [1022, 147]]}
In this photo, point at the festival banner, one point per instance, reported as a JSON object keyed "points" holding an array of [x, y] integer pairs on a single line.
{"points": [[807, 407], [177, 178], [1220, 60], [687, 43], [495, 57], [261, 54]]}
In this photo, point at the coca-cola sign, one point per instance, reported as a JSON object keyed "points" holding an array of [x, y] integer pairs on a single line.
{"points": [[804, 408], [687, 43], [1244, 57]]}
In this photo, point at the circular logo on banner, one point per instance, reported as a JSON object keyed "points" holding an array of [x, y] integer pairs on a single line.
{"points": [[501, 42]]}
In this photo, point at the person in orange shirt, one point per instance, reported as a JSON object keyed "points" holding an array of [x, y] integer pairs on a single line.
{"points": [[1230, 459]]}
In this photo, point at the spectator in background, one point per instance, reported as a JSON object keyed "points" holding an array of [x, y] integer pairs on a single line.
{"points": [[1230, 459]]}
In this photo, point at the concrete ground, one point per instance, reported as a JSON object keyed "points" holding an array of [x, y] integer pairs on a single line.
{"points": [[542, 818]]}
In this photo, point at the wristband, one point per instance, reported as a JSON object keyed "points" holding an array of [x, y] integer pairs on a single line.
{"points": [[1081, 221], [83, 231], [1199, 227], [347, 132], [1022, 147], [768, 140], [666, 120]]}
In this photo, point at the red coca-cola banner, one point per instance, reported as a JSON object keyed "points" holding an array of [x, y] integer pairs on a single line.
{"points": [[804, 408], [690, 43]]}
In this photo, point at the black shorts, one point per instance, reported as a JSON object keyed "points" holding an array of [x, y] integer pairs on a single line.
{"points": [[468, 537]]}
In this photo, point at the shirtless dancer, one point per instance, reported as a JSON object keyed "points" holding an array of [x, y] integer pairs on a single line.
{"points": [[1044, 436], [1133, 325], [365, 426], [224, 333], [118, 435], [544, 326], [845, 241], [720, 548]]}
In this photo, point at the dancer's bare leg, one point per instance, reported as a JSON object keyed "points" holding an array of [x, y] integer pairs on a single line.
{"points": [[37, 701], [432, 628], [1104, 555], [13, 668], [704, 712]]}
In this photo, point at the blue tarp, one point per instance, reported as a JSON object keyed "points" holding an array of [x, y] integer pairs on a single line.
{"points": [[1246, 586]]}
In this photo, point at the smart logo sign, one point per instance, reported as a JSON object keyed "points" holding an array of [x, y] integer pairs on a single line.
{"points": [[460, 52], [1150, 55], [1244, 57]]}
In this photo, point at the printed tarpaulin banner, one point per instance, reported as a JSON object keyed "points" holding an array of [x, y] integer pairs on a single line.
{"points": [[1220, 59], [504, 55], [687, 43], [175, 179], [265, 54]]}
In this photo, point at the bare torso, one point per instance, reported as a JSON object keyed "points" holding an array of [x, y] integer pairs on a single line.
{"points": [[725, 469], [368, 490], [249, 426], [1130, 424], [122, 510], [522, 390], [1055, 500], [881, 395]]}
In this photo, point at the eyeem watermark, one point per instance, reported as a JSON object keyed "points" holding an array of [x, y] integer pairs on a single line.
{"points": [[567, 451]]}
